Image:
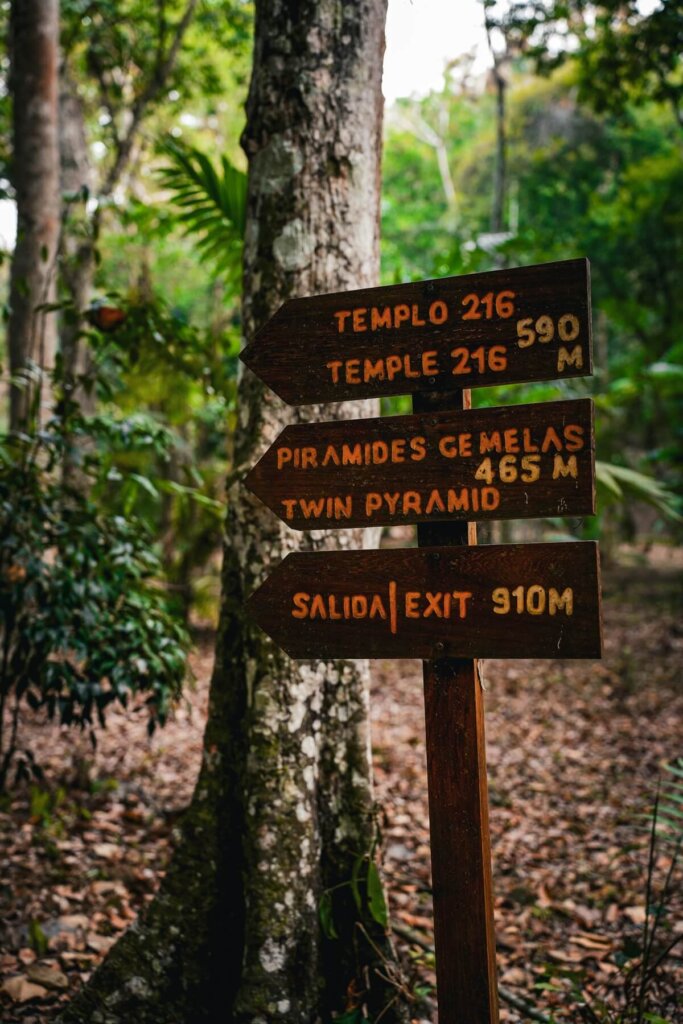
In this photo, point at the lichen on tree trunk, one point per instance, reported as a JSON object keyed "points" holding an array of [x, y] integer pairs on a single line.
{"points": [[284, 802]]}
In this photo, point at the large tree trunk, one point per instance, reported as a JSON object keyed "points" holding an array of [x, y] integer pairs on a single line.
{"points": [[31, 332], [283, 805]]}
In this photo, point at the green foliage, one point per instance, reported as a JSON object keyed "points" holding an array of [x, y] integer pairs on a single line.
{"points": [[579, 184], [166, 392], [131, 60], [84, 623], [368, 895], [616, 483], [213, 204], [623, 56]]}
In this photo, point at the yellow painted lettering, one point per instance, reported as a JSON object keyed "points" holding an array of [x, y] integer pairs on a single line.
{"points": [[566, 358], [563, 602], [562, 468]]}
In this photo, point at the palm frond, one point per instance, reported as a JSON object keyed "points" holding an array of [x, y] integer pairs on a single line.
{"points": [[212, 203], [619, 482]]}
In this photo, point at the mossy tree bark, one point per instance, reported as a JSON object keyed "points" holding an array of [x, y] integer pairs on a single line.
{"points": [[284, 802]]}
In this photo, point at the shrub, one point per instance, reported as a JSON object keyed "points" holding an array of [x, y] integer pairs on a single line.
{"points": [[82, 623]]}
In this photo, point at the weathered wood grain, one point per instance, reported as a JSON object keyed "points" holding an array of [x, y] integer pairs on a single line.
{"points": [[513, 325], [514, 462], [496, 601], [464, 933]]}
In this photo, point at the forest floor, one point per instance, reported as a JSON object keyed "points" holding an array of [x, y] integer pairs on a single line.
{"points": [[574, 753]]}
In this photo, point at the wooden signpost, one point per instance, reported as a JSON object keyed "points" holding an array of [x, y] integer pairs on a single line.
{"points": [[496, 601], [506, 463], [446, 601], [507, 326]]}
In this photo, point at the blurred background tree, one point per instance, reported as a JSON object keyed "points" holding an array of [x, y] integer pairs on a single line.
{"points": [[588, 168]]}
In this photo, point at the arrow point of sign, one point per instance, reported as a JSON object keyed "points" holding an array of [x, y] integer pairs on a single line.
{"points": [[252, 357]]}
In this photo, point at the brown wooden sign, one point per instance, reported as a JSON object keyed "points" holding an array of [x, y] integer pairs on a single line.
{"points": [[496, 601], [512, 462], [505, 326]]}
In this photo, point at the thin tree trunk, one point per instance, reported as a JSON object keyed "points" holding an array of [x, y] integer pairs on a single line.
{"points": [[284, 802], [500, 166], [31, 332], [82, 228], [500, 173], [78, 241]]}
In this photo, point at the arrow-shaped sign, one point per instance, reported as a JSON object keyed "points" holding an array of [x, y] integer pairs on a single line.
{"points": [[521, 324], [494, 601], [512, 462]]}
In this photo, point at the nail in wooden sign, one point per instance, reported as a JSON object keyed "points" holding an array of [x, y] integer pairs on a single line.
{"points": [[511, 462], [496, 601], [501, 327]]}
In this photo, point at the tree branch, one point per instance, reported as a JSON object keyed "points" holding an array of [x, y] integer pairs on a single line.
{"points": [[164, 67]]}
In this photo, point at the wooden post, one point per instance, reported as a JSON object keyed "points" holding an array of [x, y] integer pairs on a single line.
{"points": [[464, 933]]}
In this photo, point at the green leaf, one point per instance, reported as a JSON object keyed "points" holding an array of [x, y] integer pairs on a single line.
{"points": [[145, 483], [376, 902], [354, 1016], [326, 918], [37, 938], [621, 480]]}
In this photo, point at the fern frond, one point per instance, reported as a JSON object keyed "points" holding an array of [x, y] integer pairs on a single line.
{"points": [[212, 203], [670, 812]]}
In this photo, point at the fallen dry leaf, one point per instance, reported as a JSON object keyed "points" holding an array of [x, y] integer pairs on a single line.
{"points": [[48, 977], [21, 990]]}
